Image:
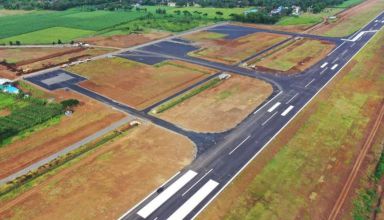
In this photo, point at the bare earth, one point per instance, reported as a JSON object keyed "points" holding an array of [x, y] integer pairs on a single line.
{"points": [[221, 107], [232, 51], [136, 84], [107, 182], [87, 119], [123, 41]]}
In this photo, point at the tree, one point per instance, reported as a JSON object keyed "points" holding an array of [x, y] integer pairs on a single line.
{"points": [[59, 41], [219, 13], [10, 43], [18, 43]]}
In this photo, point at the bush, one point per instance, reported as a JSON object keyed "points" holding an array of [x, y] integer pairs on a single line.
{"points": [[69, 103]]}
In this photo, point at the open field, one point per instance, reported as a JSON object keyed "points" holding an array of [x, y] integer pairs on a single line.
{"points": [[351, 20], [34, 144], [136, 84], [307, 18], [53, 34], [16, 55], [303, 169], [106, 182], [218, 49], [6, 12], [295, 57], [221, 107], [123, 41]]}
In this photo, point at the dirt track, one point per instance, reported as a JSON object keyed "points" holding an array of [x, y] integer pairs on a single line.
{"points": [[356, 167]]}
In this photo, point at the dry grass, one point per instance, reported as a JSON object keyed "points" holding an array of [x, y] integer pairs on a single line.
{"points": [[221, 107], [108, 181], [136, 84]]}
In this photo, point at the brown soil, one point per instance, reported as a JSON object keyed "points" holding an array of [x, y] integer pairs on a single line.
{"points": [[123, 41], [288, 28], [107, 182], [221, 107], [87, 119], [234, 51], [139, 85], [4, 112]]}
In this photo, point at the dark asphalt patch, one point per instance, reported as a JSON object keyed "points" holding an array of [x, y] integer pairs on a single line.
{"points": [[56, 79], [142, 57]]}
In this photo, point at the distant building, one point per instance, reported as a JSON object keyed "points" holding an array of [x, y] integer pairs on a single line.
{"points": [[277, 11], [296, 10], [6, 86], [172, 4], [253, 10]]}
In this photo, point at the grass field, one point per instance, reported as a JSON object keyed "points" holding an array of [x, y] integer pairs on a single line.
{"points": [[220, 107], [105, 182], [308, 18], [34, 144], [349, 3], [52, 34], [215, 48], [314, 153], [136, 84], [296, 57]]}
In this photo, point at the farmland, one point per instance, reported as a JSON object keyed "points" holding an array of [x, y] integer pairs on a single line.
{"points": [[297, 56], [220, 107], [316, 152], [216, 48], [111, 178], [139, 85], [34, 144]]}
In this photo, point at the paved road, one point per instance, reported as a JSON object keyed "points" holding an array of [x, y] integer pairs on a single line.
{"points": [[186, 194]]}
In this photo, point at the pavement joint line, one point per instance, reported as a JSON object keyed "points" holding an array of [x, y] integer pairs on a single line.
{"points": [[196, 182], [277, 133], [290, 100], [335, 49], [321, 73], [265, 122], [153, 192], [310, 83], [239, 145], [287, 110], [353, 44], [274, 107], [267, 103], [337, 59], [345, 51]]}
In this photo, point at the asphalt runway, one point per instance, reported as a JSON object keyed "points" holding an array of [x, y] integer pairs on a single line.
{"points": [[221, 157]]}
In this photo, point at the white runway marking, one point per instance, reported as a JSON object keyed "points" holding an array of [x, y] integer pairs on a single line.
{"points": [[274, 107], [324, 65], [166, 194], [334, 66], [197, 182], [336, 60], [269, 119], [309, 83], [293, 97], [194, 201], [345, 51], [353, 44], [287, 110], [239, 145], [321, 73]]}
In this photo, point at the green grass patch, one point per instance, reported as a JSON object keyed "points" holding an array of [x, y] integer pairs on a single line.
{"points": [[308, 18], [49, 35], [349, 3], [181, 98]]}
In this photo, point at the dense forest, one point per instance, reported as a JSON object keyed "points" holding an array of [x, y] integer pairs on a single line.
{"points": [[315, 5]]}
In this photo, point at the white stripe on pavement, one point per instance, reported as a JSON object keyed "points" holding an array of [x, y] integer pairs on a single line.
{"points": [[321, 73], [166, 194], [309, 83], [269, 119], [293, 97], [194, 201], [287, 110], [334, 66], [324, 65], [274, 107], [239, 144], [197, 182]]}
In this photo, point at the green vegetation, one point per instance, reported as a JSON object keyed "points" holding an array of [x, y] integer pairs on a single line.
{"points": [[23, 180], [48, 35], [181, 98], [349, 3], [308, 18]]}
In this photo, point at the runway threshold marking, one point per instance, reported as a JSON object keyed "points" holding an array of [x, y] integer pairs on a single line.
{"points": [[324, 65], [293, 97], [239, 144], [194, 201], [166, 194], [287, 110], [265, 122], [274, 107], [344, 52], [321, 73], [197, 182], [334, 66], [310, 83]]}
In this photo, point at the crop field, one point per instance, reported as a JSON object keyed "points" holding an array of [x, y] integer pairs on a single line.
{"points": [[216, 48], [351, 20], [34, 144], [105, 182], [16, 55], [139, 85], [297, 175], [295, 57], [52, 34], [220, 107]]}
